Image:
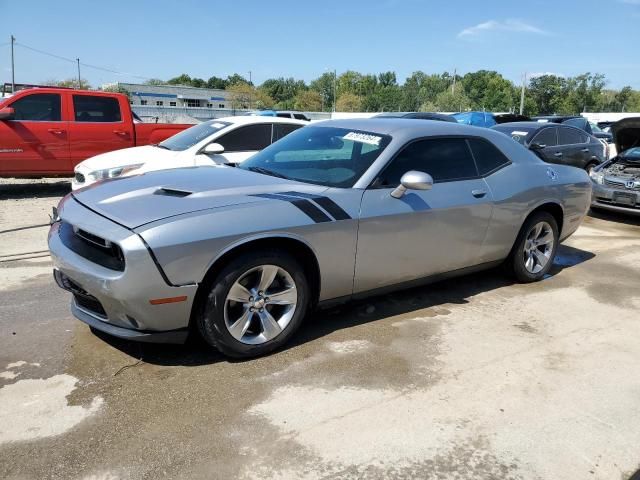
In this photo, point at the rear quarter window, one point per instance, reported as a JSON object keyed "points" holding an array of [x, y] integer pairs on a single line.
{"points": [[488, 157]]}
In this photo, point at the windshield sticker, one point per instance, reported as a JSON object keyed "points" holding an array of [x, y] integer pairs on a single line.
{"points": [[519, 134], [217, 125], [363, 138]]}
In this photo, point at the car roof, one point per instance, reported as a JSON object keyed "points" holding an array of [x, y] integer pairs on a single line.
{"points": [[408, 128], [534, 125], [254, 119]]}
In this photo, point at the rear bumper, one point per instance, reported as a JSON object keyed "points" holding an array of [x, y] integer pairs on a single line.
{"points": [[119, 302]]}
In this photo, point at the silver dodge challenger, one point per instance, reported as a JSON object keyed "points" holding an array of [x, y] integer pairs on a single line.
{"points": [[337, 210]]}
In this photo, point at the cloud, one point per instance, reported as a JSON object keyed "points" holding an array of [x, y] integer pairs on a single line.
{"points": [[509, 25]]}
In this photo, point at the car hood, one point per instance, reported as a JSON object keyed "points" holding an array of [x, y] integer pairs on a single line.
{"points": [[126, 156], [141, 199], [626, 133]]}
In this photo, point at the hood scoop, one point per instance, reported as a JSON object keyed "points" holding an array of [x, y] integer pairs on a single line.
{"points": [[172, 192]]}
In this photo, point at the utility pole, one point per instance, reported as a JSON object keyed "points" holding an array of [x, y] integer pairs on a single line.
{"points": [[13, 70], [250, 91], [453, 87], [335, 94], [79, 82], [524, 82]]}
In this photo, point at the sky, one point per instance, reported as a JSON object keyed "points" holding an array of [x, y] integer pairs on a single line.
{"points": [[304, 38]]}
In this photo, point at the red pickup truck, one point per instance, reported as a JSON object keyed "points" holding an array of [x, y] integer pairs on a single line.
{"points": [[48, 131]]}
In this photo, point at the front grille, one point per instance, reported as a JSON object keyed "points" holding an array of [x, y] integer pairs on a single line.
{"points": [[79, 177], [619, 184], [92, 247], [607, 201]]}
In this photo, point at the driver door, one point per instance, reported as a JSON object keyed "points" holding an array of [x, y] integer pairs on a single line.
{"points": [[425, 232]]}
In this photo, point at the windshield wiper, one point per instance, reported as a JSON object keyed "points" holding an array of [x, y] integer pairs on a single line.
{"points": [[266, 171], [160, 146]]}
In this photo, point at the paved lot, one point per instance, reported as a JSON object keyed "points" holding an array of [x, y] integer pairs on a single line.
{"points": [[471, 378]]}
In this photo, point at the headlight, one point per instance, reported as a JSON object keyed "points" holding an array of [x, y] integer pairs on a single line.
{"points": [[113, 172], [597, 177]]}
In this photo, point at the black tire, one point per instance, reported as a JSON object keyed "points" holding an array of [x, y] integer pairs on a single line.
{"points": [[211, 322], [590, 165], [515, 263]]}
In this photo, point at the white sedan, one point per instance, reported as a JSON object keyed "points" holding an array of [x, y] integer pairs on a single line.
{"points": [[229, 140]]}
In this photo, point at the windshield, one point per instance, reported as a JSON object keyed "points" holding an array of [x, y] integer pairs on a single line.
{"points": [[519, 134], [335, 157], [189, 137]]}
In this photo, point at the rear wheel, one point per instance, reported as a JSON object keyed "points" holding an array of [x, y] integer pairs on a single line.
{"points": [[255, 305], [535, 248]]}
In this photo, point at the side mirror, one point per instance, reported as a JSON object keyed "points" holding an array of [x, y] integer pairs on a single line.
{"points": [[413, 180], [537, 146], [213, 149], [7, 113]]}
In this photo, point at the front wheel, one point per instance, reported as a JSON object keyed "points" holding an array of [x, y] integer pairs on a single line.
{"points": [[535, 248], [255, 305]]}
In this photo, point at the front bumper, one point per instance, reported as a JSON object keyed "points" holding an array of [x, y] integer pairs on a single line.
{"points": [[607, 197], [118, 302]]}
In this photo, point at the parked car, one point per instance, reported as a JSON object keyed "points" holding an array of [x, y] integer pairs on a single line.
{"points": [[420, 115], [336, 210], [279, 113], [47, 131], [578, 122], [290, 114], [560, 144], [616, 183], [229, 140], [487, 119]]}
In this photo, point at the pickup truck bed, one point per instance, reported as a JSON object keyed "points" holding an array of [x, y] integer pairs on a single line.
{"points": [[48, 131]]}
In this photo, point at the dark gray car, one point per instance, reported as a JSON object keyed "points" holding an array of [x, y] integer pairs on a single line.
{"points": [[557, 143]]}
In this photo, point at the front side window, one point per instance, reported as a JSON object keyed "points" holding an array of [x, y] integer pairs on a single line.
{"points": [[247, 138], [88, 108], [445, 159], [487, 156], [547, 137], [283, 129], [330, 156], [39, 107], [189, 137], [570, 136]]}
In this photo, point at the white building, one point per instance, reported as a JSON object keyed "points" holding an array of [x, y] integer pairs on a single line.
{"points": [[175, 96]]}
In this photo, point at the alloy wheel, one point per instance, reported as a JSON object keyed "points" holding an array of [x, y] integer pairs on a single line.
{"points": [[260, 304], [538, 247]]}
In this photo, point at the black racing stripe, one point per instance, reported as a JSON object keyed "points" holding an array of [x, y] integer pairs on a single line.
{"points": [[311, 210], [333, 208], [305, 206], [329, 205]]}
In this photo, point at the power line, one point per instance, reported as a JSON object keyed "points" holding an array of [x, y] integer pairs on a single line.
{"points": [[71, 60]]}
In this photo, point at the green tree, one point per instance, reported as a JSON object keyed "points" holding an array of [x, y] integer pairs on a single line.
{"points": [[308, 101], [117, 88], [183, 79], [154, 81], [235, 79], [349, 102], [584, 93], [216, 82], [449, 101], [324, 86], [547, 93], [283, 90], [69, 83], [387, 79], [623, 98], [488, 90]]}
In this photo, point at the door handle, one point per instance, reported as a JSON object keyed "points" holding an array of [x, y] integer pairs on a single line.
{"points": [[120, 132], [585, 150], [478, 193], [55, 131], [558, 154]]}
